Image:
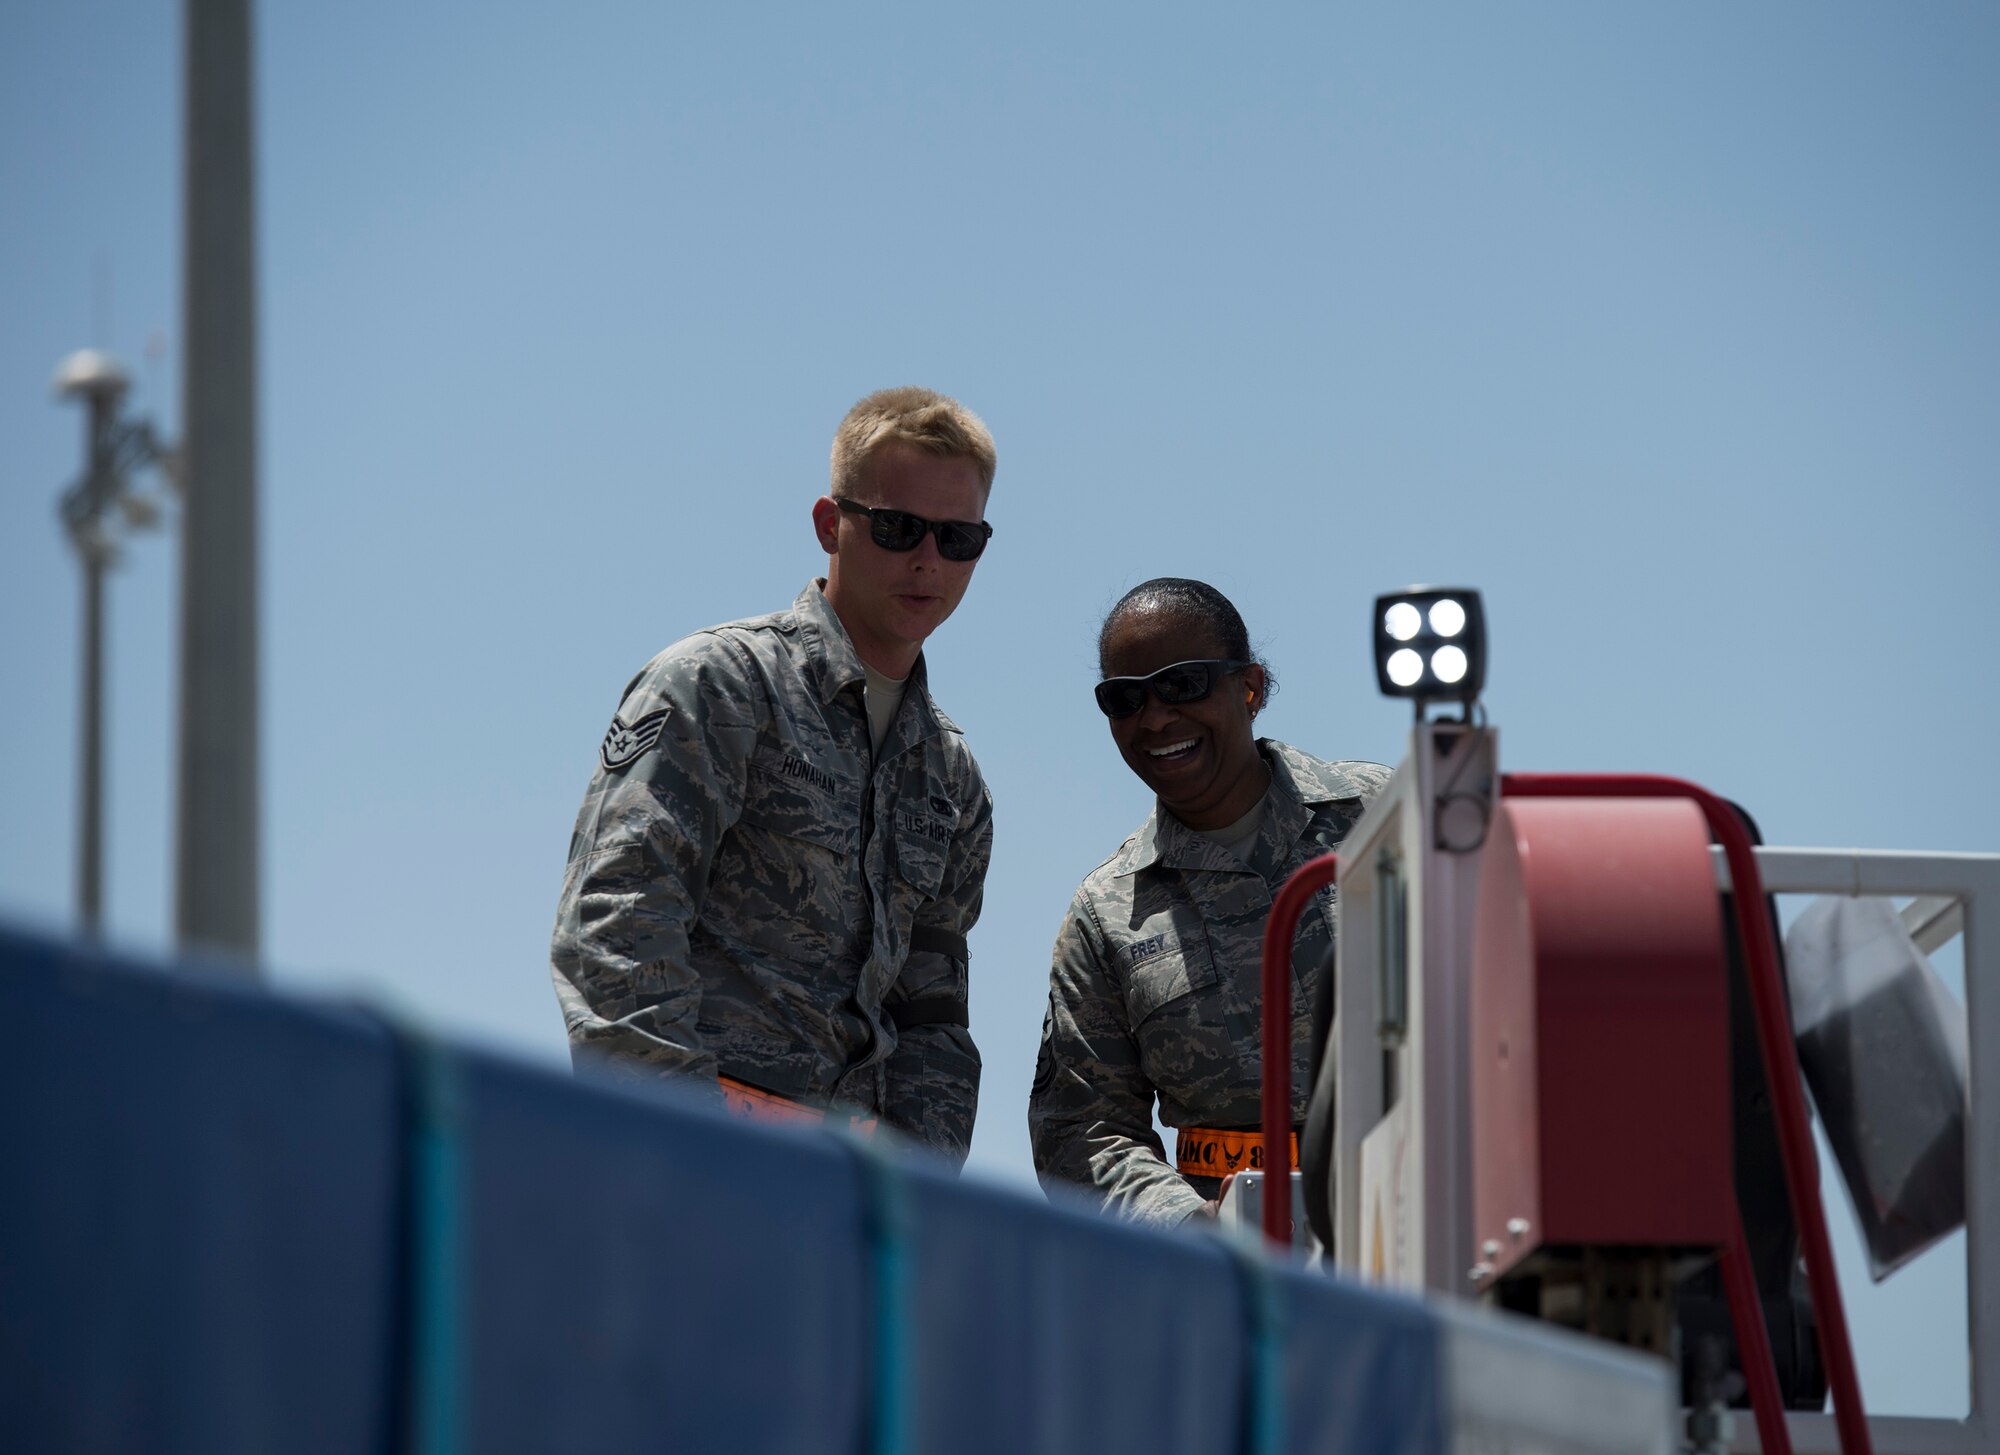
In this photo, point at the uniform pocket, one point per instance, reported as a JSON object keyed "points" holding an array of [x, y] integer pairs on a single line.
{"points": [[921, 842], [1162, 969], [789, 794]]}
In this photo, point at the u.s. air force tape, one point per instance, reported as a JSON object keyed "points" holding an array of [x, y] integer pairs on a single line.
{"points": [[1201, 1152]]}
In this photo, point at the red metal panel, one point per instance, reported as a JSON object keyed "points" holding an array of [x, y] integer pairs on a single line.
{"points": [[1599, 1031]]}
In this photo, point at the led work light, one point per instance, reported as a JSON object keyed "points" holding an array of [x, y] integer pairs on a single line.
{"points": [[1430, 644]]}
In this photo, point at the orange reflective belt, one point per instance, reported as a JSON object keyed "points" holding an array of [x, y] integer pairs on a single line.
{"points": [[753, 1103], [1201, 1152]]}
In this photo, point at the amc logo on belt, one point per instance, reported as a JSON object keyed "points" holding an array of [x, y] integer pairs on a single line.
{"points": [[1199, 1152]]}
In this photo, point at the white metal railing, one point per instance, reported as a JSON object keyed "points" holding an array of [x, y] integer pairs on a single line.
{"points": [[1951, 894]]}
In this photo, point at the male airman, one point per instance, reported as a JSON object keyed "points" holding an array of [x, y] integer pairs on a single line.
{"points": [[784, 844]]}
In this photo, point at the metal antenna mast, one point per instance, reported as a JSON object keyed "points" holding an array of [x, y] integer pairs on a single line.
{"points": [[94, 510]]}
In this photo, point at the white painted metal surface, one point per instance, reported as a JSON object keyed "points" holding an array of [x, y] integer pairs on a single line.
{"points": [[1402, 1166], [1242, 1209], [1517, 1387]]}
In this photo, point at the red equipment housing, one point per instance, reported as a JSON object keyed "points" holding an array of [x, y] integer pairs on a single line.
{"points": [[1609, 920], [1599, 1032]]}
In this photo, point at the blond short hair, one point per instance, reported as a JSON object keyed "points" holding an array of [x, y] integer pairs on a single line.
{"points": [[925, 418]]}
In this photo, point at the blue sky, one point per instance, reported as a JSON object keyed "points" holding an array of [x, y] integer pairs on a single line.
{"points": [[1676, 330]]}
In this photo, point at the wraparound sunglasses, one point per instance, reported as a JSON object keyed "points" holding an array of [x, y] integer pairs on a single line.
{"points": [[1182, 682], [898, 530]]}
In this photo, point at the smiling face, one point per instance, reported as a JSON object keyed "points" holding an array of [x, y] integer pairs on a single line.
{"points": [[889, 601], [1200, 758]]}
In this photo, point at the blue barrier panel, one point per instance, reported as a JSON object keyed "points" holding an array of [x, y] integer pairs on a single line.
{"points": [[198, 1228], [234, 1225], [640, 1274], [1051, 1329], [1363, 1369]]}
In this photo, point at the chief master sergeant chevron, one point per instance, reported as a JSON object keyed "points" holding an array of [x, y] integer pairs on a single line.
{"points": [[785, 841]]}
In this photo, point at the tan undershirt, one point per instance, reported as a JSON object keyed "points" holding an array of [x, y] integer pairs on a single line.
{"points": [[1240, 837], [883, 696]]}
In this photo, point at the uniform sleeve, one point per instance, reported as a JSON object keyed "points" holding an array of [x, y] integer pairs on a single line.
{"points": [[1090, 1115], [669, 782], [932, 1077]]}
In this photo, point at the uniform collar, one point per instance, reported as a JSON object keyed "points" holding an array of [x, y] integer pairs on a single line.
{"points": [[1299, 785], [831, 660], [833, 665]]}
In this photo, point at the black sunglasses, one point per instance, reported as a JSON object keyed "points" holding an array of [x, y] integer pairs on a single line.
{"points": [[1182, 682], [898, 530]]}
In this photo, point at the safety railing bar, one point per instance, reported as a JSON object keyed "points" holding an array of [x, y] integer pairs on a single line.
{"points": [[1279, 927], [1953, 880], [1787, 870], [1934, 920]]}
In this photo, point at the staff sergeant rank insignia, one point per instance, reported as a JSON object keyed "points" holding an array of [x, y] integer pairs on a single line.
{"points": [[624, 741]]}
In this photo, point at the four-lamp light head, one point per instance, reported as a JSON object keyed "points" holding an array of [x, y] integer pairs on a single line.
{"points": [[1430, 644]]}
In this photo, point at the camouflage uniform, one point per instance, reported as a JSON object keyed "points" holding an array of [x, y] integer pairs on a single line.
{"points": [[1155, 990], [749, 894]]}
